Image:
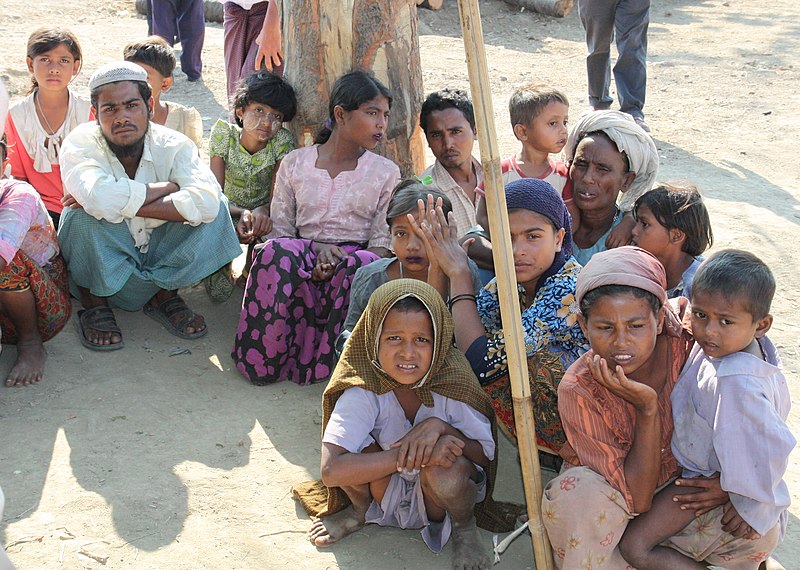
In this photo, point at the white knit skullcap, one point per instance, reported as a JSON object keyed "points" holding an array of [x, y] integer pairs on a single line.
{"points": [[117, 71]]}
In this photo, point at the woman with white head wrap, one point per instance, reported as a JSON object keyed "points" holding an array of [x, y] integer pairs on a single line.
{"points": [[598, 140]]}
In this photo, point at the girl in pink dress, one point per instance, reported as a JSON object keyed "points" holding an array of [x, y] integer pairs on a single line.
{"points": [[329, 218]]}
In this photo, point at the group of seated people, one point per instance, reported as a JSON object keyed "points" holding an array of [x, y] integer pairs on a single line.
{"points": [[383, 286]]}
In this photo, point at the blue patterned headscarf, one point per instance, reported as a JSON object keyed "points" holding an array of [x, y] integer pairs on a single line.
{"points": [[539, 196]]}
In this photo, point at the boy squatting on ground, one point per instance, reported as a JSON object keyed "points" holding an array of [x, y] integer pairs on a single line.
{"points": [[407, 429], [156, 57], [730, 406]]}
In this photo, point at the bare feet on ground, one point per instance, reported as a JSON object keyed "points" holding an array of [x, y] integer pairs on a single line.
{"points": [[328, 530], [468, 554], [29, 367]]}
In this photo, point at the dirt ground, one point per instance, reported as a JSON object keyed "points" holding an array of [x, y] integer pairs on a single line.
{"points": [[142, 459]]}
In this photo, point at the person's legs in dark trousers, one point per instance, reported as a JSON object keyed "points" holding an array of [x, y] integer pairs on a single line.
{"points": [[630, 71], [597, 17], [192, 32], [164, 15]]}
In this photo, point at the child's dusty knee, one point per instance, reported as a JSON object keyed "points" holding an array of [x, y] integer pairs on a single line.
{"points": [[448, 481]]}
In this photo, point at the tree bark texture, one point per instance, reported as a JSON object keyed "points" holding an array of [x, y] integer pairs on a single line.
{"points": [[324, 39]]}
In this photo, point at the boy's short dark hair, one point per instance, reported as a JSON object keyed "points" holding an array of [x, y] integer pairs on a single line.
{"points": [[678, 204], [153, 51], [737, 275], [446, 99], [528, 101], [268, 89]]}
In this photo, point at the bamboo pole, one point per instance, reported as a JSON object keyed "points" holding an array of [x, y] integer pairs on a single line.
{"points": [[472, 32]]}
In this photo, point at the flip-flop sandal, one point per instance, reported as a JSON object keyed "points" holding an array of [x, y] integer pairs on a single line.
{"points": [[100, 319], [167, 311]]}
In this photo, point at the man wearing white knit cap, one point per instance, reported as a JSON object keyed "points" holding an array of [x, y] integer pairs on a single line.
{"points": [[143, 215]]}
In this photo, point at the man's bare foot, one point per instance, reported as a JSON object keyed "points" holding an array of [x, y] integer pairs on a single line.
{"points": [[328, 530], [468, 554], [29, 367]]}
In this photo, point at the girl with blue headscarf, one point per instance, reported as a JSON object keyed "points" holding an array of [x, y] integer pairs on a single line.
{"points": [[546, 274]]}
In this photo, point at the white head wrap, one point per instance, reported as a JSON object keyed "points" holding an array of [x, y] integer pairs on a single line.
{"points": [[117, 71], [629, 137]]}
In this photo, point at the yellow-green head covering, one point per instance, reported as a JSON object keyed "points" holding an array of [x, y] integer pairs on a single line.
{"points": [[450, 375]]}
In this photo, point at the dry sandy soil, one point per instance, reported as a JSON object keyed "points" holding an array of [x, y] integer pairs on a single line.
{"points": [[140, 459]]}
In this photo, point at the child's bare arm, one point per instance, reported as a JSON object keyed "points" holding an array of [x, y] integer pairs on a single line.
{"points": [[575, 215], [621, 235], [218, 169], [480, 251], [340, 468]]}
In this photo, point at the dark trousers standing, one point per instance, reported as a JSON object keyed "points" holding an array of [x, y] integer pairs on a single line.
{"points": [[627, 22], [184, 21]]}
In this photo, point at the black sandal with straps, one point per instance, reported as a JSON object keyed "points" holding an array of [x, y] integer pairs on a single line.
{"points": [[168, 310], [100, 319]]}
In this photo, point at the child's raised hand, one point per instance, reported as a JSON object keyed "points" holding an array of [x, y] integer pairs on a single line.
{"points": [[446, 451], [640, 395], [440, 236], [733, 523], [416, 447]]}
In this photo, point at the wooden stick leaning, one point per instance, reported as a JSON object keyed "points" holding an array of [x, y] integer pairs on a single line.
{"points": [[472, 32]]}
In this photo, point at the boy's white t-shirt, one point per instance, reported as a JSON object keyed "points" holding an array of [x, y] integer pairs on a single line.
{"points": [[361, 417]]}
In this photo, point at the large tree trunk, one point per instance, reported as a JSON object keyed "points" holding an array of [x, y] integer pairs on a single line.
{"points": [[324, 39]]}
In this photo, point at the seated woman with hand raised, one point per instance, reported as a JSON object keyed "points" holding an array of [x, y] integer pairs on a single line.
{"points": [[546, 275], [410, 257]]}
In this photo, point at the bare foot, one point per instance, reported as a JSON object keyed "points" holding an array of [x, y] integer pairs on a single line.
{"points": [[468, 554], [328, 530], [29, 367]]}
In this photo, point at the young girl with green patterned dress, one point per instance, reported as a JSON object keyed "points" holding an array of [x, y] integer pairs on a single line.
{"points": [[245, 158]]}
